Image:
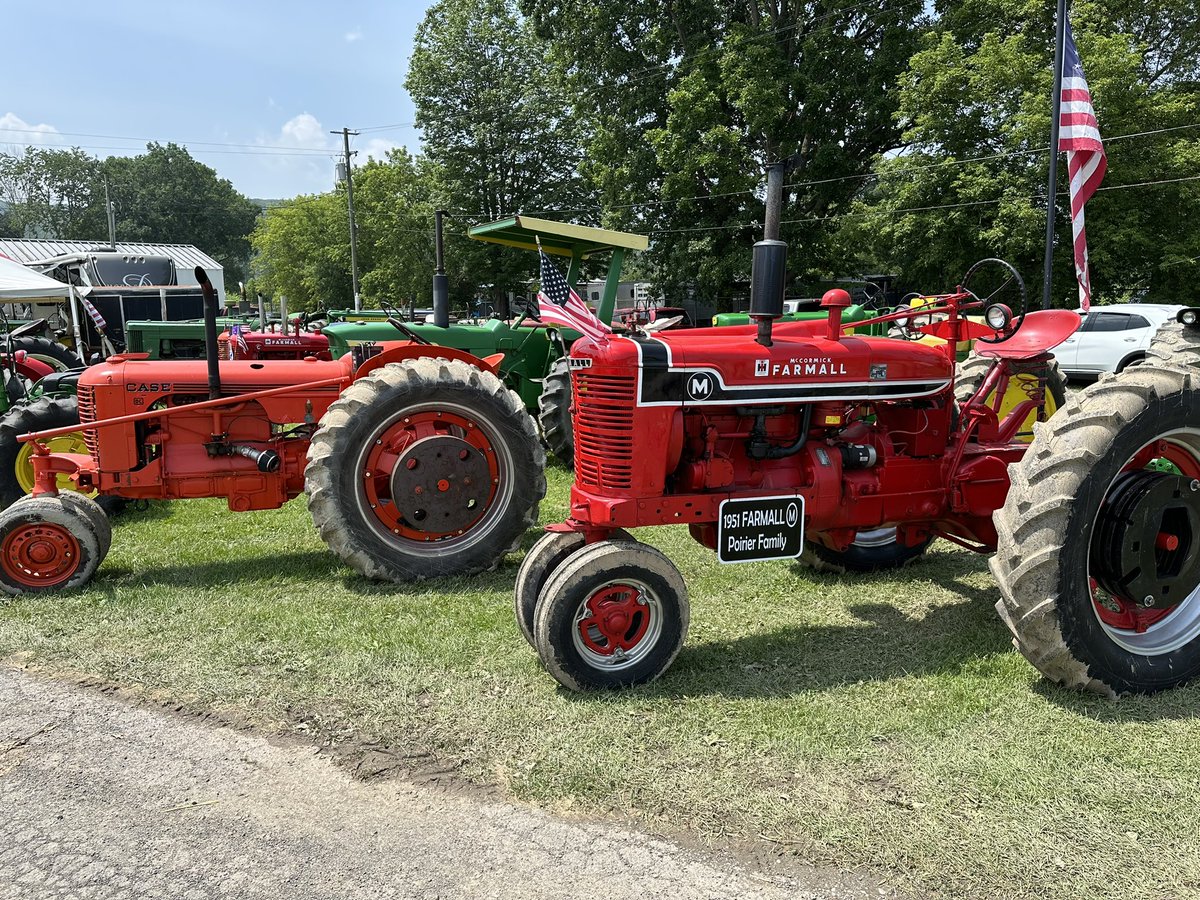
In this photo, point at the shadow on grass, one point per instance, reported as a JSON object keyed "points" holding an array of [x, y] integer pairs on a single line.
{"points": [[1179, 703]]}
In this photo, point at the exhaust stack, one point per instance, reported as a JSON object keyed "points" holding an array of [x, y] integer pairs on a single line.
{"points": [[210, 333], [441, 284], [768, 271]]}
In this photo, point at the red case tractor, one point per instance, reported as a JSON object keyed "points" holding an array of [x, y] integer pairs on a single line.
{"points": [[773, 443], [417, 461]]}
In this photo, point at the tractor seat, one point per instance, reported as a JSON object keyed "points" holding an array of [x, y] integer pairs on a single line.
{"points": [[1041, 331]]}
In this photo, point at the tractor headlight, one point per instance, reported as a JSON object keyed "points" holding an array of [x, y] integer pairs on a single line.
{"points": [[997, 316], [1189, 316]]}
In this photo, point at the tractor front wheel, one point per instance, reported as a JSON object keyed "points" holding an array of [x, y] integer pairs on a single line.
{"points": [[423, 469], [554, 413], [551, 551], [615, 614], [46, 544], [1099, 539]]}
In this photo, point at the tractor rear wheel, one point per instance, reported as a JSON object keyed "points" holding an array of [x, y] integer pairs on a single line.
{"points": [[873, 550], [554, 413], [1098, 559], [52, 353], [1023, 378], [423, 469], [615, 614], [46, 544], [1174, 344], [551, 551]]}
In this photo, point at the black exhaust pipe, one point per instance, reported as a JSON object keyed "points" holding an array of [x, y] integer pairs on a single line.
{"points": [[768, 268], [210, 333], [441, 284]]}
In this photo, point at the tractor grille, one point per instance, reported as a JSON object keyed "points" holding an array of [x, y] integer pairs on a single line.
{"points": [[604, 429], [87, 413]]}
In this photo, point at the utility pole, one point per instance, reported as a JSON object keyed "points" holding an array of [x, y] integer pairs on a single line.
{"points": [[345, 133], [1052, 176]]}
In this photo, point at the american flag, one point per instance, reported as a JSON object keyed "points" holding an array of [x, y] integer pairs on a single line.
{"points": [[1079, 137], [558, 304], [235, 332], [94, 313]]}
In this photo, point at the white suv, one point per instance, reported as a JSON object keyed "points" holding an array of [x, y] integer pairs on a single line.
{"points": [[1112, 337]]}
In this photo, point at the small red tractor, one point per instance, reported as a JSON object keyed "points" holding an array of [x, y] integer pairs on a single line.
{"points": [[244, 343], [855, 452], [417, 461]]}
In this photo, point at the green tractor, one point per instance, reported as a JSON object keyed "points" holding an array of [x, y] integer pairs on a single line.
{"points": [[535, 364]]}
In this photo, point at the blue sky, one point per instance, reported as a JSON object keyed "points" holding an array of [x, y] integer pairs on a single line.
{"points": [[253, 88]]}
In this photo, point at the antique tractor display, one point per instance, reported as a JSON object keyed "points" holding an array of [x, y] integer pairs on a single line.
{"points": [[534, 364], [773, 442], [417, 461]]}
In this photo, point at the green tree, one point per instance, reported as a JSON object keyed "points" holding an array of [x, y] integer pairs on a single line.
{"points": [[687, 103], [53, 193], [975, 109], [166, 196], [302, 251], [497, 129]]}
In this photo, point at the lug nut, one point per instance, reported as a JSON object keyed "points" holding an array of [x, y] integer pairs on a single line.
{"points": [[1148, 601]]}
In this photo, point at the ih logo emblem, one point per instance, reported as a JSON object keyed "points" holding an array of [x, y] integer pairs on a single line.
{"points": [[762, 368], [700, 386]]}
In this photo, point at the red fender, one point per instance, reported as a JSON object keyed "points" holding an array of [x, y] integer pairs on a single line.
{"points": [[31, 369], [398, 351]]}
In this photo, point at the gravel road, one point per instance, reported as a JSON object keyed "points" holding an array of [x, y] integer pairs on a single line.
{"points": [[103, 799]]}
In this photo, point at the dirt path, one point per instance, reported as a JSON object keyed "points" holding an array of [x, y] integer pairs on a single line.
{"points": [[99, 798]]}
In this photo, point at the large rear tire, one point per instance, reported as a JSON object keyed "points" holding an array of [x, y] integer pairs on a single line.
{"points": [[1023, 377], [554, 412], [423, 469], [1098, 559]]}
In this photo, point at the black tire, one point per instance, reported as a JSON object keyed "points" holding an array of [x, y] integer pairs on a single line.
{"points": [[972, 370], [50, 522], [1175, 345], [662, 621], [52, 353], [554, 413], [873, 551], [1052, 518], [371, 408], [551, 551], [94, 515]]}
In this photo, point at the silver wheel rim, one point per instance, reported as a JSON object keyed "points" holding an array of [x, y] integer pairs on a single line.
{"points": [[474, 533], [875, 537], [1182, 625], [620, 659]]}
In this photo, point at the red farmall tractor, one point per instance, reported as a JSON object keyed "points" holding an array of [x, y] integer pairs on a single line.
{"points": [[857, 451], [290, 342], [417, 461]]}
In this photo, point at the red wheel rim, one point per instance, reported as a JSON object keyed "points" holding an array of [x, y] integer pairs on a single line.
{"points": [[391, 445], [40, 554], [618, 624], [1124, 613]]}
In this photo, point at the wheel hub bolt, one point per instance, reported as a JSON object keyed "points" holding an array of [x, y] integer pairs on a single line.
{"points": [[1148, 601], [1195, 485]]}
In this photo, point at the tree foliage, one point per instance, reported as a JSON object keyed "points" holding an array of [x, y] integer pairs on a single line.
{"points": [[497, 127], [975, 106], [694, 100], [161, 196]]}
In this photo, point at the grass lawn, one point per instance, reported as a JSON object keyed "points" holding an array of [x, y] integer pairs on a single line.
{"points": [[879, 722]]}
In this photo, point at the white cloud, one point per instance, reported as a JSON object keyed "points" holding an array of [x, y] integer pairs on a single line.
{"points": [[378, 148], [305, 131], [15, 130], [352, 36]]}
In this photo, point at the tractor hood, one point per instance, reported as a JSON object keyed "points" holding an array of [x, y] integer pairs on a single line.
{"points": [[729, 368]]}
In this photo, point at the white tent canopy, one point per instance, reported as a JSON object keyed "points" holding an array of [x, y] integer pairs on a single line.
{"points": [[21, 284]]}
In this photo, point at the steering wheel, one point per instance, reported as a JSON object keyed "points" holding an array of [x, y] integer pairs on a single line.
{"points": [[528, 313], [999, 290], [407, 332]]}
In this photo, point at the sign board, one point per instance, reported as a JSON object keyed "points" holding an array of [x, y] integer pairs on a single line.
{"points": [[760, 528]]}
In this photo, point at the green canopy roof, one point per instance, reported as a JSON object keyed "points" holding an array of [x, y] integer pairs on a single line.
{"points": [[557, 238]]}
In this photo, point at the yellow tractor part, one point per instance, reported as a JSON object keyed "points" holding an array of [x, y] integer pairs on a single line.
{"points": [[67, 443]]}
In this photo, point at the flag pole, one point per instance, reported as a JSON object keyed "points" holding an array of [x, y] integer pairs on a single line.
{"points": [[1060, 23]]}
